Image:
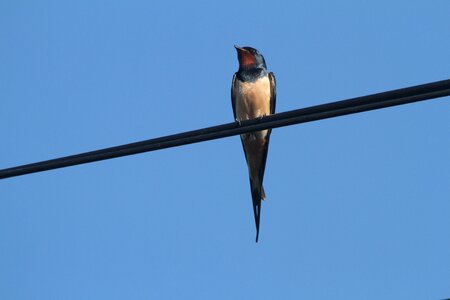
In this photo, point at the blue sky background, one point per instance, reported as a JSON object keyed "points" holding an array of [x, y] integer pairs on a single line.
{"points": [[358, 206]]}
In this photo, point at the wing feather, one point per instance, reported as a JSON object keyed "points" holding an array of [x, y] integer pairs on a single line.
{"points": [[233, 96], [273, 92]]}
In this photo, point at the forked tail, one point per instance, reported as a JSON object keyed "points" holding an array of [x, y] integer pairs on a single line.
{"points": [[257, 196]]}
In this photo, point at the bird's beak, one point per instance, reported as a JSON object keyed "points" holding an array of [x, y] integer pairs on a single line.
{"points": [[239, 48]]}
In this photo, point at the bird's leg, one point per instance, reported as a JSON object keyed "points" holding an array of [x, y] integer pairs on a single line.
{"points": [[238, 121]]}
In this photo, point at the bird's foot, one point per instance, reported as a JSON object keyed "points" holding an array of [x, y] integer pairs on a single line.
{"points": [[238, 121]]}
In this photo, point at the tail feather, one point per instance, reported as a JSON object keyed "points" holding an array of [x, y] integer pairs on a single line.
{"points": [[257, 196]]}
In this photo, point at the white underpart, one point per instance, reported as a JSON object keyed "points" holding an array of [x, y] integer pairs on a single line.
{"points": [[253, 101]]}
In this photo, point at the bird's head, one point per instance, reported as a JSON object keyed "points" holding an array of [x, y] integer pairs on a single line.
{"points": [[250, 58]]}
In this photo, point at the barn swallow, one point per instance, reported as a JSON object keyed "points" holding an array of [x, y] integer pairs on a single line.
{"points": [[253, 95]]}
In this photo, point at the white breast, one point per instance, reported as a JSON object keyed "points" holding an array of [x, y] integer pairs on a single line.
{"points": [[252, 98]]}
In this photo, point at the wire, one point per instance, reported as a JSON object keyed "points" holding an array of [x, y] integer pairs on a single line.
{"points": [[314, 113]]}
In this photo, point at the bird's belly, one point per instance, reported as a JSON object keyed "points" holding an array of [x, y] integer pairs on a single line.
{"points": [[253, 99]]}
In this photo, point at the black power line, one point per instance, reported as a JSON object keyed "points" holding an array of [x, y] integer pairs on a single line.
{"points": [[351, 106]]}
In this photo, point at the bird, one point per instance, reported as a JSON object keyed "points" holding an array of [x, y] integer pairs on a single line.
{"points": [[253, 95]]}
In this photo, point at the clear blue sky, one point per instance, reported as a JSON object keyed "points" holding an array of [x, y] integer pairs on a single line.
{"points": [[358, 206]]}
